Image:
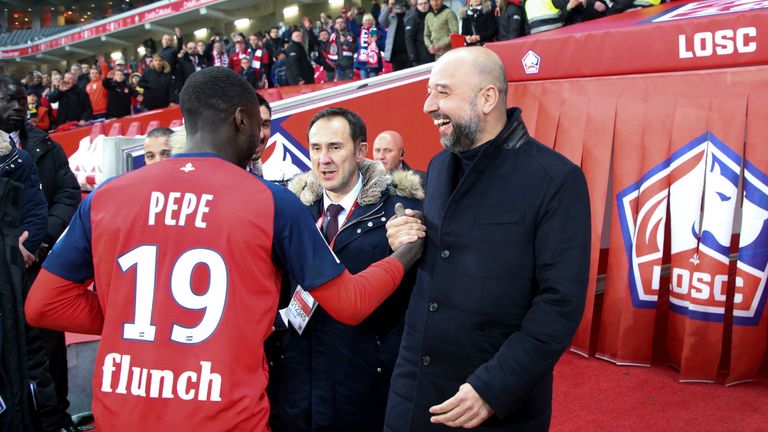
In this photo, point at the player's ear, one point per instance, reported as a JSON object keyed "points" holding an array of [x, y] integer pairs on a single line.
{"points": [[241, 119]]}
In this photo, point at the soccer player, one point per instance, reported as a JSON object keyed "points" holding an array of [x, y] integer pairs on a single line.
{"points": [[187, 256]]}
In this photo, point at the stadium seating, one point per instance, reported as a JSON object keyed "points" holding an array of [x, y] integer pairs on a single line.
{"points": [[19, 37]]}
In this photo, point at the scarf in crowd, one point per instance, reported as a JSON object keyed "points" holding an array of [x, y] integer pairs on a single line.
{"points": [[255, 55], [373, 56], [220, 59], [365, 40], [333, 48]]}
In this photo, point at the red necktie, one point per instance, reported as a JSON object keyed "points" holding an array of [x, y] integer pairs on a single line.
{"points": [[332, 227]]}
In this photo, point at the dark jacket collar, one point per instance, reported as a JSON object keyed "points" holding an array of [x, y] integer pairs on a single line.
{"points": [[35, 141], [511, 137], [514, 132]]}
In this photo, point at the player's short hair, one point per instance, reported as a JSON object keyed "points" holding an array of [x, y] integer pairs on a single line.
{"points": [[211, 96], [7, 81], [263, 102], [163, 132], [356, 124]]}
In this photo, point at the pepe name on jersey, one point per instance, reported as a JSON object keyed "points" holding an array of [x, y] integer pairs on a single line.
{"points": [[177, 209]]}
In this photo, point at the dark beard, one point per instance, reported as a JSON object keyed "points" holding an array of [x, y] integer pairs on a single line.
{"points": [[462, 138]]}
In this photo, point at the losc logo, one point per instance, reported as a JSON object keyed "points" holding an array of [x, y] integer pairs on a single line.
{"points": [[531, 63], [284, 157], [721, 42], [697, 188]]}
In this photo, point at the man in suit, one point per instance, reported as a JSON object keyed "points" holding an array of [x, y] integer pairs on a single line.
{"points": [[336, 377], [501, 285]]}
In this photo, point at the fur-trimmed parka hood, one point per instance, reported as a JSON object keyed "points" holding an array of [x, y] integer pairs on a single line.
{"points": [[5, 143], [405, 184]]}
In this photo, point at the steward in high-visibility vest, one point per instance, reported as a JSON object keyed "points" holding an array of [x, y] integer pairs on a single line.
{"points": [[544, 15]]}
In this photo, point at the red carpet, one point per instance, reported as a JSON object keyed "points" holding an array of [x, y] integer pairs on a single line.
{"points": [[595, 395]]}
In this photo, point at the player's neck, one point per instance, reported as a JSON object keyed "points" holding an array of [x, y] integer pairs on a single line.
{"points": [[204, 142]]}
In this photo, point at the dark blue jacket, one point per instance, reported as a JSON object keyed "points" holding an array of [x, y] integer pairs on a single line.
{"points": [[19, 166], [60, 187], [336, 377], [501, 285]]}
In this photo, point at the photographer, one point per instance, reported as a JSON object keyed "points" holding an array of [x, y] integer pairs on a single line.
{"points": [[478, 25]]}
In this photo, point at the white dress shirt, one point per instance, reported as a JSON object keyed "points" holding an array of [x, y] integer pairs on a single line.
{"points": [[347, 202]]}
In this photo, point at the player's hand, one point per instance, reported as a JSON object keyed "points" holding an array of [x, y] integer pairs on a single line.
{"points": [[29, 259], [42, 251], [465, 409], [405, 227]]}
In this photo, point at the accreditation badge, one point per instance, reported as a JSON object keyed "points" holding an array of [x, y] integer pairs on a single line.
{"points": [[300, 310]]}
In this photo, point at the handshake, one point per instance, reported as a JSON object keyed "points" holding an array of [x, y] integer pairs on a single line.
{"points": [[405, 233]]}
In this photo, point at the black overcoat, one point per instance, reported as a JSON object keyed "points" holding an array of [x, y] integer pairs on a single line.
{"points": [[501, 285]]}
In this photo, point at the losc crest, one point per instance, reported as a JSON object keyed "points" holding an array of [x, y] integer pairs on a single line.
{"points": [[284, 157], [696, 193], [531, 63]]}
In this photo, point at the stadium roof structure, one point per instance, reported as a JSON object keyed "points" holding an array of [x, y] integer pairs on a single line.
{"points": [[121, 29]]}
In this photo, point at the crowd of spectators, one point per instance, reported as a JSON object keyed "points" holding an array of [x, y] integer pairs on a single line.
{"points": [[356, 44]]}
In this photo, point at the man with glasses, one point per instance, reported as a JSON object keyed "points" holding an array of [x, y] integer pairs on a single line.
{"points": [[341, 50]]}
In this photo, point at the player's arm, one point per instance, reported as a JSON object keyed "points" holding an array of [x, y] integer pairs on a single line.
{"points": [[58, 304], [60, 299], [351, 298], [347, 298]]}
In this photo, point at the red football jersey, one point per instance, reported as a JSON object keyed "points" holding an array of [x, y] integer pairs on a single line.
{"points": [[187, 256]]}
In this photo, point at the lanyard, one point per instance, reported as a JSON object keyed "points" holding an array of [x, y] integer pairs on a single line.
{"points": [[341, 225]]}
